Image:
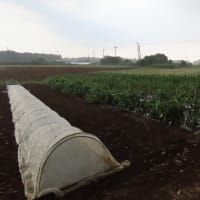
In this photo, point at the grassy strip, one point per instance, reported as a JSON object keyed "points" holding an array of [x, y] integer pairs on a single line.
{"points": [[173, 99], [193, 70]]}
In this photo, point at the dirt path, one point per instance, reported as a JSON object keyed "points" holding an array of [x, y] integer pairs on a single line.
{"points": [[165, 160]]}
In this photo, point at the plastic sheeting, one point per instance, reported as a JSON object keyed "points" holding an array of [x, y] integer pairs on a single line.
{"points": [[54, 156]]}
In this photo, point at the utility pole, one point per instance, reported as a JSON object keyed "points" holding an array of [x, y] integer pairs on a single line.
{"points": [[115, 51], [103, 52], [139, 50]]}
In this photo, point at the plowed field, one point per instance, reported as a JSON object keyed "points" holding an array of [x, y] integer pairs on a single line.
{"points": [[165, 160]]}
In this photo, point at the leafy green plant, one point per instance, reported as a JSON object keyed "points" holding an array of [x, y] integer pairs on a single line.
{"points": [[163, 97]]}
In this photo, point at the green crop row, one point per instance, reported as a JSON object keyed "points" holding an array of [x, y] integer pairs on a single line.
{"points": [[173, 99]]}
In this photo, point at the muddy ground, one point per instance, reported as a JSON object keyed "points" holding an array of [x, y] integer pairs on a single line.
{"points": [[165, 160]]}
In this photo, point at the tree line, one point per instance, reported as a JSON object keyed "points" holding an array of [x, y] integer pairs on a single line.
{"points": [[12, 57], [157, 59]]}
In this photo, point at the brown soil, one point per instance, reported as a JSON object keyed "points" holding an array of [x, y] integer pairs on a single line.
{"points": [[27, 73], [10, 182], [165, 160]]}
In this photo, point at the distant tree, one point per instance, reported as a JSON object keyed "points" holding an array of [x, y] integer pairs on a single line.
{"points": [[107, 60], [39, 61], [110, 60], [13, 57], [170, 61], [154, 59], [185, 63]]}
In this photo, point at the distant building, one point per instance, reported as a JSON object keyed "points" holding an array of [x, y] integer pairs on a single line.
{"points": [[81, 60]]}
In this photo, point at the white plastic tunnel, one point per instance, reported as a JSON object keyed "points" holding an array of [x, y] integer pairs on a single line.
{"points": [[53, 156]]}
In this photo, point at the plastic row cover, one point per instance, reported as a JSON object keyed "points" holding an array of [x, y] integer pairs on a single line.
{"points": [[53, 156]]}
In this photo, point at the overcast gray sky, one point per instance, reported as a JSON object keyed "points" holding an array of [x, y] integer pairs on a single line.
{"points": [[78, 27]]}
